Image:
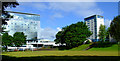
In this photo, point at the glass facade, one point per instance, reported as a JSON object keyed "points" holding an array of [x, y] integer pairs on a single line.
{"points": [[25, 16], [24, 22]]}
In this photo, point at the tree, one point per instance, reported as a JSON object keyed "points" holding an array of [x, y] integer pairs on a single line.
{"points": [[5, 15], [108, 34], [19, 38], [115, 28], [102, 33], [73, 35], [7, 39]]}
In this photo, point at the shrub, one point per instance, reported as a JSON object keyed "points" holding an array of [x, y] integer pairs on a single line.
{"points": [[88, 42], [102, 44]]}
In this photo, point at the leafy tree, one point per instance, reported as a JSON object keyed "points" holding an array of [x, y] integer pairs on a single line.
{"points": [[73, 35], [60, 36], [115, 28], [19, 38], [5, 15], [107, 34], [102, 33], [7, 39]]}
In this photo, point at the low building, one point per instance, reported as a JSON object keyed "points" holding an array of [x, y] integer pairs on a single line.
{"points": [[41, 43]]}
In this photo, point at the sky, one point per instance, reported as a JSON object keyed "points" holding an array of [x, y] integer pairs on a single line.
{"points": [[55, 15]]}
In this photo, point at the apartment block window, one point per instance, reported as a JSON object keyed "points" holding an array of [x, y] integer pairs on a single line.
{"points": [[37, 41], [100, 16]]}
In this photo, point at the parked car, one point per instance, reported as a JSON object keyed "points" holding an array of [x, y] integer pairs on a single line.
{"points": [[16, 50], [21, 49], [33, 49], [9, 50]]}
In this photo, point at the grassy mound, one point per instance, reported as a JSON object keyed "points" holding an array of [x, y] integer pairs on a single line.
{"points": [[112, 48], [80, 48], [83, 47]]}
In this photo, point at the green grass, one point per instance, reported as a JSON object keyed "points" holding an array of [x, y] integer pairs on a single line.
{"points": [[61, 53], [78, 51], [80, 48], [112, 48]]}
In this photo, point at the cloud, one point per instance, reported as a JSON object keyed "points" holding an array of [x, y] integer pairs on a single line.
{"points": [[57, 15], [40, 6], [107, 22], [59, 29], [68, 0], [80, 8], [70, 6], [47, 33]]}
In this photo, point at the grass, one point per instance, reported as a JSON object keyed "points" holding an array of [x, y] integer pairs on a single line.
{"points": [[78, 51], [75, 53], [61, 53], [112, 48], [80, 48], [59, 58]]}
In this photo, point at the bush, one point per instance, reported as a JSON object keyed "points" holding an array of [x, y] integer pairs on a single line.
{"points": [[88, 42], [102, 44]]}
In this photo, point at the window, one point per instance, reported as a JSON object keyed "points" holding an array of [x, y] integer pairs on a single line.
{"points": [[37, 41], [100, 16]]}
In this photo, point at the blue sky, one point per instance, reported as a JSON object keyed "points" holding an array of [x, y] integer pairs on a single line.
{"points": [[55, 15]]}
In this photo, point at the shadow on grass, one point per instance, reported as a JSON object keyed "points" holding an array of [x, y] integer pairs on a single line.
{"points": [[61, 58]]}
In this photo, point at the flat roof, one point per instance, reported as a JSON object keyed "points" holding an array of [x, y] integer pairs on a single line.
{"points": [[23, 13], [92, 16]]}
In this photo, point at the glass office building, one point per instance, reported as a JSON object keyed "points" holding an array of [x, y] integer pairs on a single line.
{"points": [[24, 22]]}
